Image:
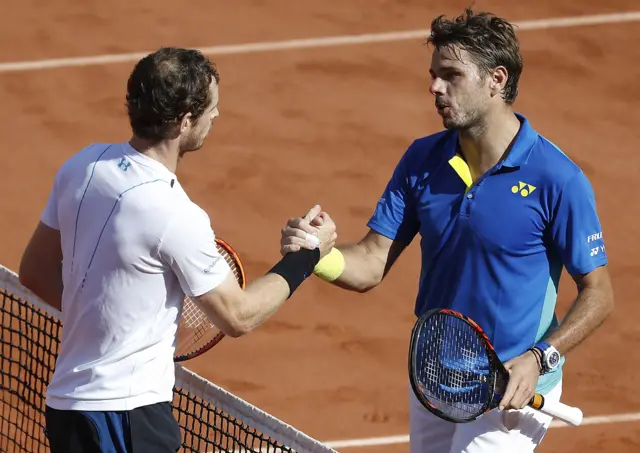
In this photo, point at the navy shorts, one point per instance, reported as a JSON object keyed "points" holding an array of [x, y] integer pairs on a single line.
{"points": [[150, 428]]}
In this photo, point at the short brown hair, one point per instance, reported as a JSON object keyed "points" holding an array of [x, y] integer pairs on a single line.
{"points": [[490, 41], [164, 86]]}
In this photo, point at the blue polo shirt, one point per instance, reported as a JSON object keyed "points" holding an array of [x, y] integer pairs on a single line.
{"points": [[494, 250]]}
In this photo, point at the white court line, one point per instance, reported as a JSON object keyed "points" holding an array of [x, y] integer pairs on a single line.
{"points": [[330, 41], [404, 439]]}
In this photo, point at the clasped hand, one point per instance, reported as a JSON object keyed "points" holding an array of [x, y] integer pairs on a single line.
{"points": [[306, 232]]}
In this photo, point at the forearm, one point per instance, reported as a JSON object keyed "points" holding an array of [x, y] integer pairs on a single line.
{"points": [[590, 309], [263, 297], [237, 312], [363, 270]]}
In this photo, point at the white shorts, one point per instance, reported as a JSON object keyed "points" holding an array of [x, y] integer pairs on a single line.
{"points": [[490, 433]]}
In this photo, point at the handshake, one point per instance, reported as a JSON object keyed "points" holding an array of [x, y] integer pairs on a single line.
{"points": [[314, 230]]}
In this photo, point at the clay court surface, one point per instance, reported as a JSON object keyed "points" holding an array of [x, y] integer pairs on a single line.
{"points": [[327, 125]]}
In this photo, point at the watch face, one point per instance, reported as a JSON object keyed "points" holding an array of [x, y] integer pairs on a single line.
{"points": [[554, 359]]}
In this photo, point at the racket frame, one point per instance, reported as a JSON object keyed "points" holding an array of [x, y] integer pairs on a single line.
{"points": [[497, 379], [496, 368], [241, 281]]}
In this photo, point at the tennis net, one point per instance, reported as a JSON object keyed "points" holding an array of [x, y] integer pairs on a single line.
{"points": [[211, 418]]}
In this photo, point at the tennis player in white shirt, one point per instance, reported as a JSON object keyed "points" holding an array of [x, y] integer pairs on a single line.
{"points": [[118, 246]]}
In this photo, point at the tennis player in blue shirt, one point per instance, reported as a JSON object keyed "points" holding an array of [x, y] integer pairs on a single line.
{"points": [[500, 211]]}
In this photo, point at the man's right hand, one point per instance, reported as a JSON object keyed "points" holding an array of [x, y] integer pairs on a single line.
{"points": [[296, 234]]}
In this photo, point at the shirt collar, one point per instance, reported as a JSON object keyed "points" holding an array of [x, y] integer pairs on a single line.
{"points": [[521, 148], [147, 161], [523, 143]]}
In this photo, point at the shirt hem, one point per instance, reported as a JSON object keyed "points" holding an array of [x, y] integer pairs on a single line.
{"points": [[123, 404], [51, 224], [203, 289], [389, 233], [583, 270]]}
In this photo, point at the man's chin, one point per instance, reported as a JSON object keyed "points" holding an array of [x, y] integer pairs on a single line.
{"points": [[449, 123], [192, 148]]}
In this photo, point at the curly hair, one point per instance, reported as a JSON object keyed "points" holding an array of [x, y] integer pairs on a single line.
{"points": [[490, 41], [166, 85]]}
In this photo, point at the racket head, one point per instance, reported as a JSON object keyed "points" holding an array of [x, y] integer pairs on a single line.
{"points": [[453, 368], [196, 333]]}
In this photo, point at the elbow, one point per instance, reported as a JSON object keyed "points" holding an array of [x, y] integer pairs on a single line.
{"points": [[225, 313], [236, 331], [237, 328], [362, 289], [27, 281], [609, 306], [29, 278], [605, 307], [23, 276], [367, 285], [608, 303]]}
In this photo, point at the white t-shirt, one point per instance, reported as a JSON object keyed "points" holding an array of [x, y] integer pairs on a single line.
{"points": [[133, 245]]}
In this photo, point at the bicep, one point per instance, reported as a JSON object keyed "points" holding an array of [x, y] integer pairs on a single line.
{"points": [[576, 231], [41, 264], [395, 213], [43, 251], [189, 248], [598, 279], [221, 302]]}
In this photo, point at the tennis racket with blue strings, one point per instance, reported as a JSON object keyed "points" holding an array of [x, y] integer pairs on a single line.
{"points": [[456, 374]]}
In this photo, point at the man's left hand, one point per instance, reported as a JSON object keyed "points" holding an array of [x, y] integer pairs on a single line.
{"points": [[523, 378]]}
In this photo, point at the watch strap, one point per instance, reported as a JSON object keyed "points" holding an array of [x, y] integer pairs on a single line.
{"points": [[543, 347]]}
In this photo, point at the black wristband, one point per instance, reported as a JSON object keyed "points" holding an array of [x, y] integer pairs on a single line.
{"points": [[295, 267]]}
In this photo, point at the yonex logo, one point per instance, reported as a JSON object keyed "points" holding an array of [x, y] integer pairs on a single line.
{"points": [[124, 164], [596, 250], [523, 188]]}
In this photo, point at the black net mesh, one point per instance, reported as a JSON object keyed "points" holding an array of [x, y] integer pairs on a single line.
{"points": [[28, 354]]}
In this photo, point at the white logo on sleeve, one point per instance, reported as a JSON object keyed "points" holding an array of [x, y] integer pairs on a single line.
{"points": [[598, 249], [210, 267], [594, 237]]}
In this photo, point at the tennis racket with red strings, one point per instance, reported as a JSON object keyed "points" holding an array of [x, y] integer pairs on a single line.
{"points": [[196, 333], [456, 374]]}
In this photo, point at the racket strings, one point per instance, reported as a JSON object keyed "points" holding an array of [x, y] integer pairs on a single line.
{"points": [[191, 314], [196, 329], [452, 367], [233, 264]]}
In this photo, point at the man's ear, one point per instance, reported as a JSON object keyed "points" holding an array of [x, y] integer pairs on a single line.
{"points": [[186, 122], [498, 80]]}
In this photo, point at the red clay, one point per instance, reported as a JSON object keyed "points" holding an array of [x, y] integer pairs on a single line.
{"points": [[307, 126]]}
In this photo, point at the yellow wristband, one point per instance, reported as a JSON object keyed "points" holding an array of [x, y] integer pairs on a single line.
{"points": [[331, 266]]}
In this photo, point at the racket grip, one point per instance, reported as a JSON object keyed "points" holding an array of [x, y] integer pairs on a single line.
{"points": [[568, 414]]}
